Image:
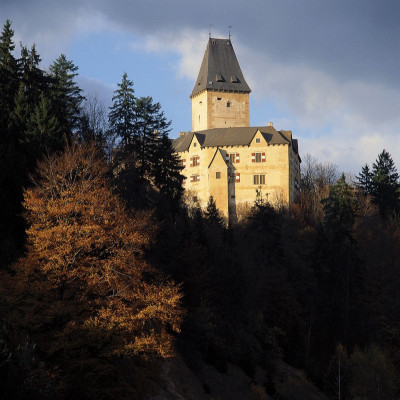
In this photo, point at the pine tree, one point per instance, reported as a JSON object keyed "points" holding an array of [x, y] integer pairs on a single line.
{"points": [[151, 124], [66, 95], [365, 179], [8, 74], [339, 211], [337, 263], [385, 184], [212, 214], [12, 172], [43, 132], [167, 169], [122, 115]]}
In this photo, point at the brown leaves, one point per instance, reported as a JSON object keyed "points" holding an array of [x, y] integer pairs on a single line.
{"points": [[85, 254]]}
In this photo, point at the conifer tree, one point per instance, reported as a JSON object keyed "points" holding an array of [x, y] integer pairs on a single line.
{"points": [[122, 114], [212, 214], [151, 124], [167, 169], [8, 74], [12, 172], [43, 132], [66, 95], [365, 179], [385, 184]]}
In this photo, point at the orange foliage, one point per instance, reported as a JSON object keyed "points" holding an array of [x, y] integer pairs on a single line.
{"points": [[84, 266]]}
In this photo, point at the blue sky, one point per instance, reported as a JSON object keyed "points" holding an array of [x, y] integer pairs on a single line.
{"points": [[329, 71]]}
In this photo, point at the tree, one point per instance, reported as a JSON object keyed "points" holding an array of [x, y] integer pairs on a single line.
{"points": [[86, 286], [8, 73], [316, 179], [337, 379], [212, 214], [122, 114], [151, 124], [43, 131], [365, 179], [339, 211], [11, 156], [66, 95], [337, 264], [93, 125], [167, 169], [385, 184], [373, 375]]}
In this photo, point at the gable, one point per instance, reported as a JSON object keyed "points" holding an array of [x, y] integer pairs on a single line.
{"points": [[258, 140], [218, 159]]}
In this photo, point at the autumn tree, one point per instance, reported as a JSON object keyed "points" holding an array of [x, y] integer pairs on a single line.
{"points": [[89, 288]]}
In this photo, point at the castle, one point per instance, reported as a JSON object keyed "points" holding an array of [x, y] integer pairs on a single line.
{"points": [[224, 156]]}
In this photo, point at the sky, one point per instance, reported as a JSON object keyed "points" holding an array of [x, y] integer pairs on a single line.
{"points": [[327, 70]]}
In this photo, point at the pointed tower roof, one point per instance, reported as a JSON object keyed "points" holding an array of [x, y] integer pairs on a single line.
{"points": [[220, 69]]}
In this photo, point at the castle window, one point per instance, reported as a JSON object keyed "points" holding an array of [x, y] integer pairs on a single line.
{"points": [[194, 161], [234, 158], [218, 175], [228, 104], [219, 98], [258, 157], [195, 178], [259, 179]]}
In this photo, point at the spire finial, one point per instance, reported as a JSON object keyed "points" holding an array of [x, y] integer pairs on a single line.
{"points": [[230, 26], [209, 30]]}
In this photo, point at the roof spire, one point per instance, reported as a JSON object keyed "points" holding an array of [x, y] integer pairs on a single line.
{"points": [[230, 26], [209, 30], [220, 69]]}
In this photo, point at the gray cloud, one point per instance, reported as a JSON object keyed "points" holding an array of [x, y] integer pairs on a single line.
{"points": [[329, 66]]}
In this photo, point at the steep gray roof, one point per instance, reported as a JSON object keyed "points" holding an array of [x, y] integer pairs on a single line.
{"points": [[220, 69], [220, 137]]}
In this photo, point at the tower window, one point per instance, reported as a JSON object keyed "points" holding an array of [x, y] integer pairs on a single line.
{"points": [[228, 104], [218, 175], [258, 140]]}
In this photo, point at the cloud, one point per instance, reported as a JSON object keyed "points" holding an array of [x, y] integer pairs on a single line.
{"points": [[329, 68]]}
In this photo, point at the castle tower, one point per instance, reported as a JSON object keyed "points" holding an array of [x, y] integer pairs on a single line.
{"points": [[220, 97]]}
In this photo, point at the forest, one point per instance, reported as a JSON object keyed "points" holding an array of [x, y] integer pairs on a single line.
{"points": [[106, 271]]}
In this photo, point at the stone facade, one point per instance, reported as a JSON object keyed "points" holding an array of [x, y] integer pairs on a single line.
{"points": [[213, 109]]}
